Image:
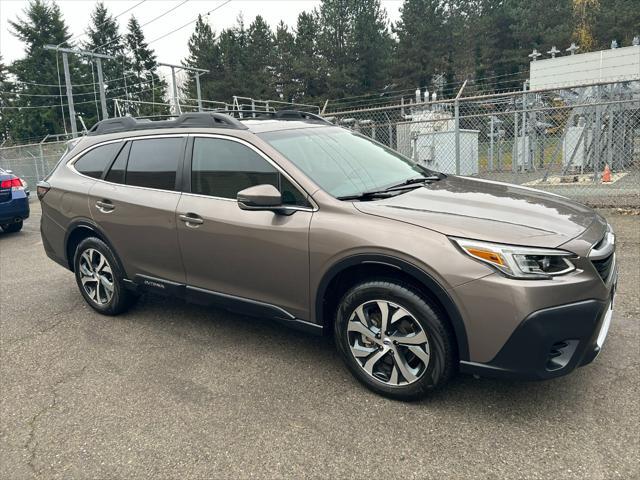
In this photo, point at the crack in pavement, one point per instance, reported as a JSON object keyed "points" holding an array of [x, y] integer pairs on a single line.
{"points": [[32, 444], [47, 329]]}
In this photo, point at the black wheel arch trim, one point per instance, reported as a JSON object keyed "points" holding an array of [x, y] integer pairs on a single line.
{"points": [[90, 225], [433, 286]]}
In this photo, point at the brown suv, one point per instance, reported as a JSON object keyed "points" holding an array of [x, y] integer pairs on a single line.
{"points": [[285, 216]]}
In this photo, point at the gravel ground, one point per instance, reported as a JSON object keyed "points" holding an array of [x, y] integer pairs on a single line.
{"points": [[171, 390]]}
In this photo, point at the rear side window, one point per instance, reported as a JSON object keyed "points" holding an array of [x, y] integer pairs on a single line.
{"points": [[116, 173], [93, 163], [153, 163], [222, 168]]}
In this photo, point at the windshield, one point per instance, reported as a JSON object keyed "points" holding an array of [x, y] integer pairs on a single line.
{"points": [[341, 162]]}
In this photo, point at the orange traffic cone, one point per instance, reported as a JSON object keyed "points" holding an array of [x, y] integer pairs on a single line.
{"points": [[606, 174]]}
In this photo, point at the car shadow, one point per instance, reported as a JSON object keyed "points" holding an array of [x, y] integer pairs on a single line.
{"points": [[482, 397]]}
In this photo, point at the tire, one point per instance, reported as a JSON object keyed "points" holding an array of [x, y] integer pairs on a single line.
{"points": [[418, 343], [12, 227], [94, 280]]}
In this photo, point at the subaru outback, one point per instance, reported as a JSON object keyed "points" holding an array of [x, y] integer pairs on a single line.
{"points": [[285, 216]]}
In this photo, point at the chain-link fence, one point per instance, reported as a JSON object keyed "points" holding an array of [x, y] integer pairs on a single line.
{"points": [[32, 162], [581, 142]]}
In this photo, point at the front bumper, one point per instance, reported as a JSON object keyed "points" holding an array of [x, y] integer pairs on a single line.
{"points": [[550, 342]]}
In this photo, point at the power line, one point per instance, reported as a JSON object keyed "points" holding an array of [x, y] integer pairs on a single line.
{"points": [[187, 24], [105, 22], [145, 24]]}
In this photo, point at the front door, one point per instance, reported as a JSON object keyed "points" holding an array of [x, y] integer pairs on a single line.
{"points": [[254, 255]]}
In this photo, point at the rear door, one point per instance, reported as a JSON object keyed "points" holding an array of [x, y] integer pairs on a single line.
{"points": [[257, 255], [135, 204]]}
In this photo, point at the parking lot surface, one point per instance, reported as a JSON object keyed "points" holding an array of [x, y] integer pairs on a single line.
{"points": [[172, 390]]}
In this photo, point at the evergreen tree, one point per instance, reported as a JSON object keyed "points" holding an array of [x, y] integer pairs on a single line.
{"points": [[5, 95], [420, 50], [284, 51], [258, 59], [102, 36], [42, 24], [371, 46], [233, 51], [204, 52], [335, 46], [142, 83], [308, 63], [620, 21]]}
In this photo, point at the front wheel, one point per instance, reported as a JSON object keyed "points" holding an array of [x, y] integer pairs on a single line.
{"points": [[395, 341], [100, 278]]}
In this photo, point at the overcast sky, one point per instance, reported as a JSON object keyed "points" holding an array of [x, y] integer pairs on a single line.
{"points": [[173, 48]]}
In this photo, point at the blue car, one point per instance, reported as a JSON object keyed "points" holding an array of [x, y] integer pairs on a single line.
{"points": [[14, 202]]}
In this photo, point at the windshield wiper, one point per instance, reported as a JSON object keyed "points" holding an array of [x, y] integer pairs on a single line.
{"points": [[408, 184], [384, 193], [411, 181]]}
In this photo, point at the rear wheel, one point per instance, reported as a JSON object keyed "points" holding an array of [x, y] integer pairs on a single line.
{"points": [[100, 278], [12, 227], [393, 340]]}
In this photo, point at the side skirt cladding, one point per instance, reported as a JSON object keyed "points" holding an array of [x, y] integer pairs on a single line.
{"points": [[240, 305]]}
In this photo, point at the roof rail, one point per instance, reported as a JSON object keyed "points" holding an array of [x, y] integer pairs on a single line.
{"points": [[186, 120], [276, 115]]}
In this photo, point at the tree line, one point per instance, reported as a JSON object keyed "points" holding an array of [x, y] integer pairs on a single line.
{"points": [[343, 49]]}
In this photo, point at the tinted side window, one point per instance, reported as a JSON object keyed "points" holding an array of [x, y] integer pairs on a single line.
{"points": [[291, 195], [221, 168], [95, 161], [116, 172], [153, 163]]}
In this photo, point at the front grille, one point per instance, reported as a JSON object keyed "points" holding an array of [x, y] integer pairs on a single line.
{"points": [[603, 266]]}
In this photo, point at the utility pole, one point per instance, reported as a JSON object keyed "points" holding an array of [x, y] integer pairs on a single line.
{"points": [[456, 105], [198, 92], [103, 98], [67, 80], [198, 72]]}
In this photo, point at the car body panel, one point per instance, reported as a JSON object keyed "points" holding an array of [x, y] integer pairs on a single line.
{"points": [[343, 232], [141, 228], [258, 255], [491, 211]]}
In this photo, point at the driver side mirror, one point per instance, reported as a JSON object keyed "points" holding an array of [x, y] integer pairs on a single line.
{"points": [[260, 197]]}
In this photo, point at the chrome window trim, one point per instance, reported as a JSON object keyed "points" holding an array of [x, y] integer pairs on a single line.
{"points": [[241, 141], [74, 159]]}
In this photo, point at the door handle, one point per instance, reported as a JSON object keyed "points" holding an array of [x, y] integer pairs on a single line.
{"points": [[191, 219], [105, 206]]}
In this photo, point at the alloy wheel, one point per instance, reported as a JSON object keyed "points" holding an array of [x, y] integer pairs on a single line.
{"points": [[388, 342], [96, 276]]}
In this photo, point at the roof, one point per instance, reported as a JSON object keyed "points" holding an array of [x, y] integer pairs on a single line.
{"points": [[233, 120], [261, 126]]}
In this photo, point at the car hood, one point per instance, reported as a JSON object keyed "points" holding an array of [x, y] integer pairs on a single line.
{"points": [[487, 210]]}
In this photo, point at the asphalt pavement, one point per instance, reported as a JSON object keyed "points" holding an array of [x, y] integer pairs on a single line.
{"points": [[172, 390]]}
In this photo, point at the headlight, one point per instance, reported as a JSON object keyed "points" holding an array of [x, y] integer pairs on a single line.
{"points": [[519, 262]]}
